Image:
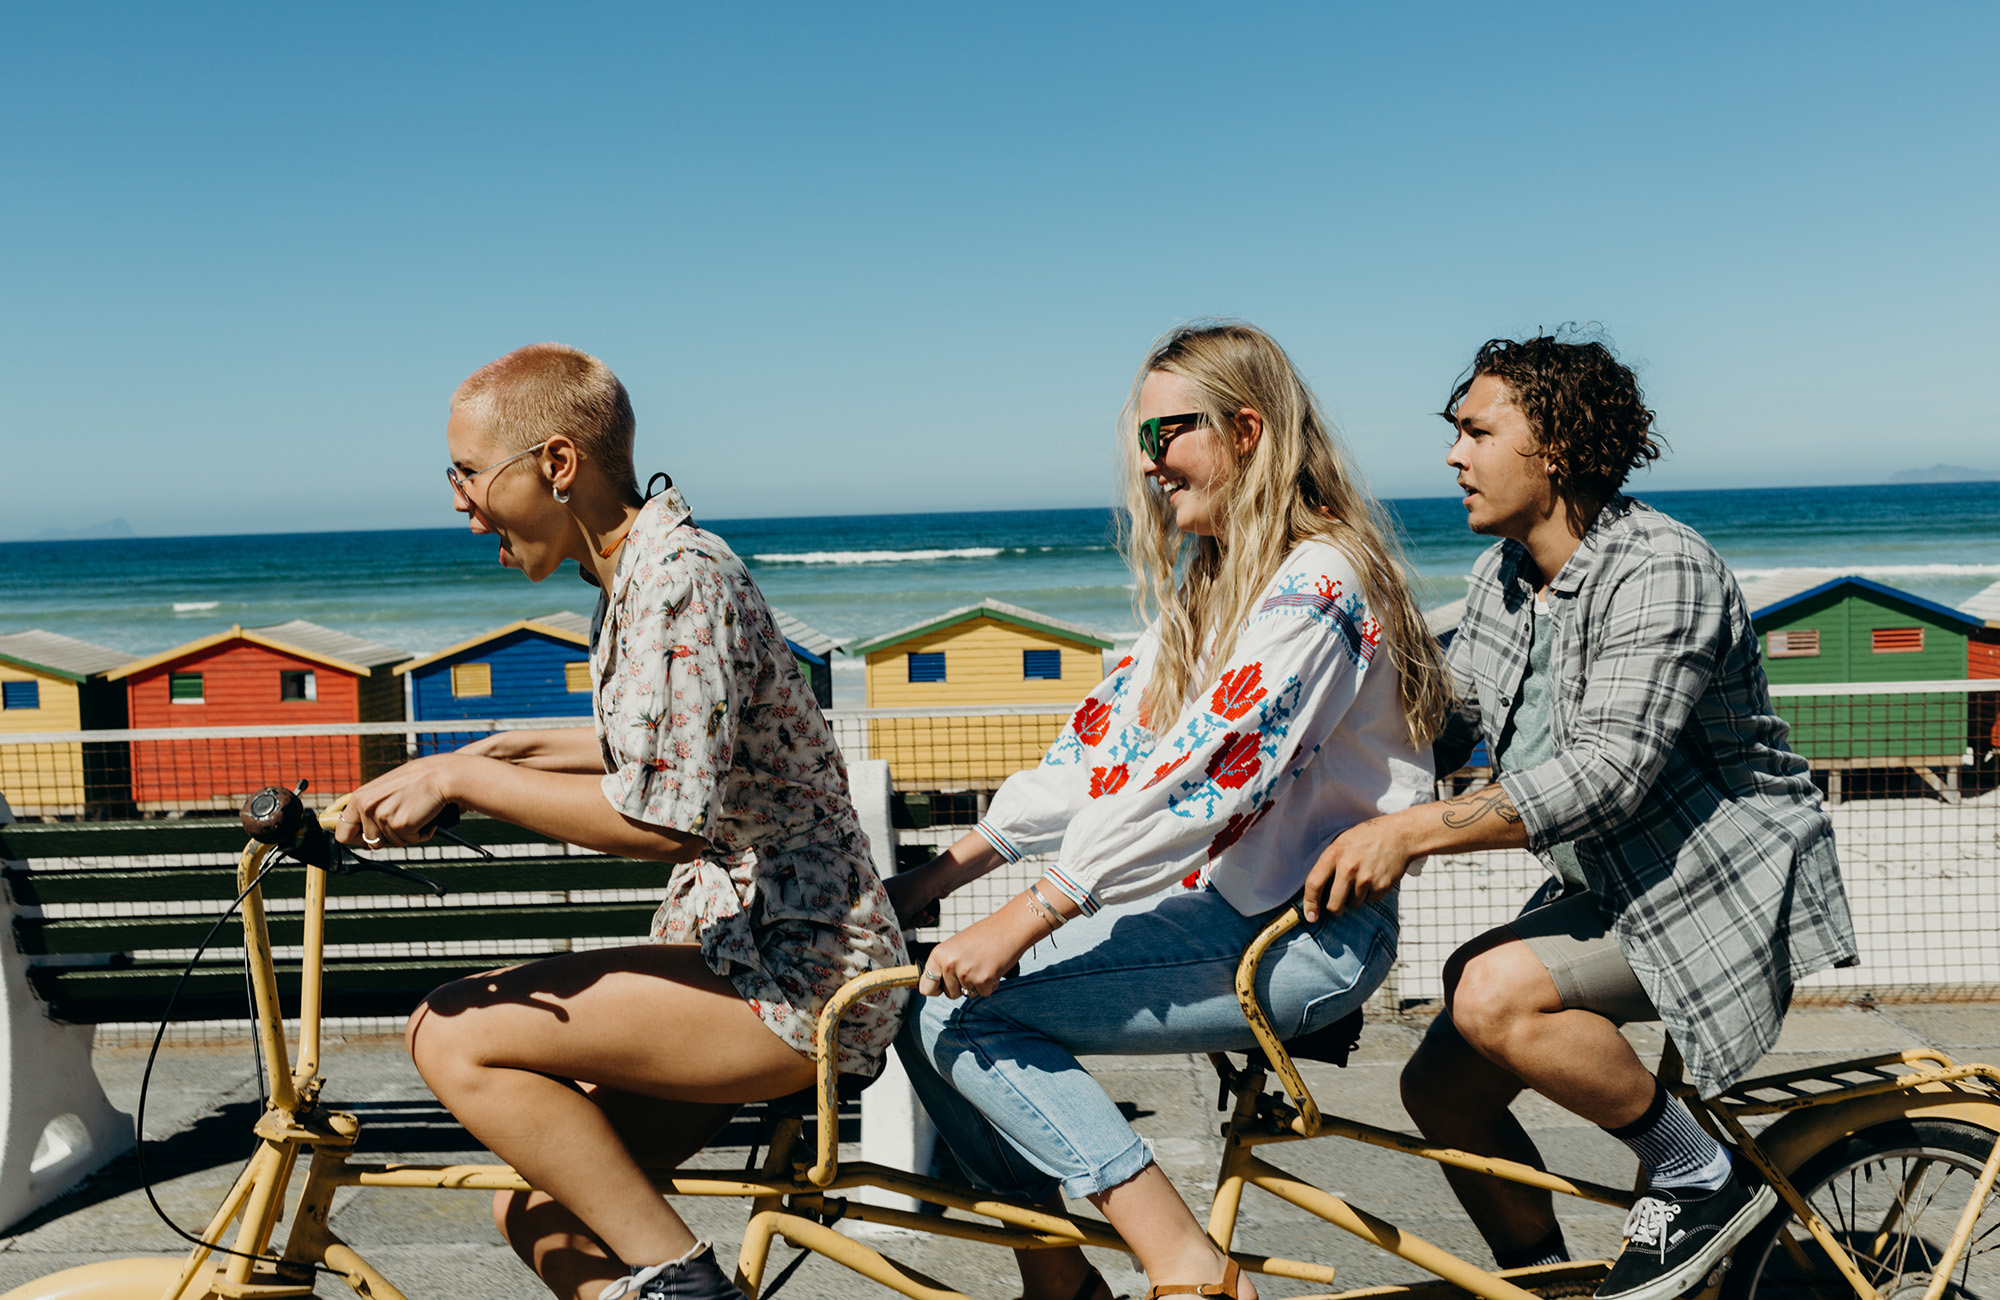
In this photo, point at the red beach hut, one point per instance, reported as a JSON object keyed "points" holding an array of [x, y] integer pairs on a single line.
{"points": [[289, 674]]}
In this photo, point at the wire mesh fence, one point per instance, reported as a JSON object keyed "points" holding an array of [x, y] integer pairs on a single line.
{"points": [[1911, 774]]}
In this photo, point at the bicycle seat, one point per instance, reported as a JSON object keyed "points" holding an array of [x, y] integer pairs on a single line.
{"points": [[1332, 1043], [805, 1102]]}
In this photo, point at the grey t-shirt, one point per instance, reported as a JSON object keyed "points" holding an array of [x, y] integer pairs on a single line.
{"points": [[1527, 742]]}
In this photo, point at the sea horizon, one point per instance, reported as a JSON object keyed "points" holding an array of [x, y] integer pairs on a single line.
{"points": [[855, 576]]}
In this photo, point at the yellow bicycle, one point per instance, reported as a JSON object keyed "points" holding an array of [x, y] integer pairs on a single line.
{"points": [[1884, 1169]]}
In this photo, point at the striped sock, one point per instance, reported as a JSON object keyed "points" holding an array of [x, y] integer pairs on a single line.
{"points": [[1676, 1151]]}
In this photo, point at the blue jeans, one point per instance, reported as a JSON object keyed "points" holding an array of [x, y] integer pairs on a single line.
{"points": [[1000, 1077]]}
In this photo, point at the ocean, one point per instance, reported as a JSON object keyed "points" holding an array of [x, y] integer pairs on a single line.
{"points": [[856, 576]]}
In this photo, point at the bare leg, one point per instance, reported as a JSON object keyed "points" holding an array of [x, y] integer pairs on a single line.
{"points": [[496, 1049], [1156, 1223], [558, 1245], [1507, 1007], [1505, 1028], [1057, 1274], [1460, 1099]]}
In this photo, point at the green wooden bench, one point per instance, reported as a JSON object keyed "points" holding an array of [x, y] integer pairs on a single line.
{"points": [[117, 965], [105, 915]]}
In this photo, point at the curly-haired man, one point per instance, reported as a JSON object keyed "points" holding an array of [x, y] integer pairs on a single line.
{"points": [[1607, 659]]}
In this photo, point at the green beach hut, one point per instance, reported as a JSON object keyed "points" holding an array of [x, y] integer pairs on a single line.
{"points": [[1821, 631]]}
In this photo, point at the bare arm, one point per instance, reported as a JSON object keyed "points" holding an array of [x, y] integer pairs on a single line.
{"points": [[395, 808], [565, 749], [917, 891], [1368, 860]]}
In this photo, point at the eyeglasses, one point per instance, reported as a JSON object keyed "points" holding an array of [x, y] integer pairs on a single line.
{"points": [[461, 482], [1156, 433]]}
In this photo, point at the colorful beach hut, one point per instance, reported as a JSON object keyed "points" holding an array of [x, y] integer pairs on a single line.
{"points": [[287, 674], [50, 682], [814, 651], [1983, 661], [985, 654], [1820, 630], [1983, 655], [533, 668]]}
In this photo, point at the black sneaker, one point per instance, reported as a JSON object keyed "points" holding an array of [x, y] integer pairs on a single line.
{"points": [[699, 1278], [1674, 1238]]}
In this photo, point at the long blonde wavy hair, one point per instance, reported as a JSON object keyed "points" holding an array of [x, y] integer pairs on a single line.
{"points": [[1293, 485]]}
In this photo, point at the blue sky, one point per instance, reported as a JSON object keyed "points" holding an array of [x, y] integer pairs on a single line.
{"points": [[904, 257]]}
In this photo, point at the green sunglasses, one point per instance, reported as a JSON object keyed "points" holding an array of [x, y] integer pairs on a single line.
{"points": [[1156, 433]]}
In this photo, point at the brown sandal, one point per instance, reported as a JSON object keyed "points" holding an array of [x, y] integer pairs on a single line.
{"points": [[1226, 1288]]}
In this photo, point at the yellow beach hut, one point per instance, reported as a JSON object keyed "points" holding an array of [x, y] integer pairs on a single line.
{"points": [[987, 654], [56, 683]]}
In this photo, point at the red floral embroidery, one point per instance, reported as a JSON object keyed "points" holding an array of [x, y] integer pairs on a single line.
{"points": [[1092, 721], [1108, 780], [1122, 664], [1238, 692], [1160, 773], [1234, 829], [1236, 762]]}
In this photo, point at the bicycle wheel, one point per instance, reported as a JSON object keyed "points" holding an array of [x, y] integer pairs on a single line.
{"points": [[1892, 1195]]}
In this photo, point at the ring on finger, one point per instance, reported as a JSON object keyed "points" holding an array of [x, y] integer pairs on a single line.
{"points": [[373, 842]]}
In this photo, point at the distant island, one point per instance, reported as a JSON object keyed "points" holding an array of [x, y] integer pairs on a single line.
{"points": [[95, 532], [1945, 474]]}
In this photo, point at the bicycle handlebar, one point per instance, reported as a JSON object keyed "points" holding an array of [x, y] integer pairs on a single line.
{"points": [[277, 817]]}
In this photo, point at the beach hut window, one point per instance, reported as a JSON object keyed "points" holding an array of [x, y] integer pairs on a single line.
{"points": [[20, 695], [1898, 640], [927, 667], [298, 686], [471, 680], [184, 688], [576, 676], [1041, 665], [1799, 643]]}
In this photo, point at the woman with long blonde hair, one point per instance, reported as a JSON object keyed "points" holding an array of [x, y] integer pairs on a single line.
{"points": [[1285, 688]]}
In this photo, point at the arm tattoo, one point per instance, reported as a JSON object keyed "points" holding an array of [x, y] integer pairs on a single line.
{"points": [[1476, 804]]}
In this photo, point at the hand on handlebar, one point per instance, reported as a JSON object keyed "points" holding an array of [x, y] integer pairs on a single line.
{"points": [[914, 896], [1363, 863], [400, 808]]}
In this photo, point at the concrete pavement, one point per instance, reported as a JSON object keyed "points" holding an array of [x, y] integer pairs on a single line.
{"points": [[203, 1100]]}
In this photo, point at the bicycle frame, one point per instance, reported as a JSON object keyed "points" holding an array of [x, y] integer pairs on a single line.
{"points": [[793, 1194]]}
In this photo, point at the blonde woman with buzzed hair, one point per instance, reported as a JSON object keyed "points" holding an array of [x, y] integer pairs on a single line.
{"points": [[1285, 688], [708, 752]]}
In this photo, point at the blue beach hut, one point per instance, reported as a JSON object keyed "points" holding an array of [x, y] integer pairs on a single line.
{"points": [[814, 650], [534, 668]]}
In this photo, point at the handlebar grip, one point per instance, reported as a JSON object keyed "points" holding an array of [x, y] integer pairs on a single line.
{"points": [[446, 819]]}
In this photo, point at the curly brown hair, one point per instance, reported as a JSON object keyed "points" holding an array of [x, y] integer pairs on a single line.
{"points": [[1583, 404]]}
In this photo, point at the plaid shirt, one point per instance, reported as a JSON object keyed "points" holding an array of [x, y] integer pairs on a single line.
{"points": [[1699, 831]]}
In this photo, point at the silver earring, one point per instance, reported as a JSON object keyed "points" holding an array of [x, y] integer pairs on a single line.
{"points": [[559, 494]]}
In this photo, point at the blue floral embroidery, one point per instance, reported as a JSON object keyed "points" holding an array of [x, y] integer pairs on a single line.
{"points": [[1326, 604]]}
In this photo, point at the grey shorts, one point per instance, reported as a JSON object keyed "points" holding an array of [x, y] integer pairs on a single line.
{"points": [[1568, 935]]}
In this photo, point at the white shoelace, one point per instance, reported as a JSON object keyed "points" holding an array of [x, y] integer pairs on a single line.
{"points": [[632, 1283], [1647, 1224]]}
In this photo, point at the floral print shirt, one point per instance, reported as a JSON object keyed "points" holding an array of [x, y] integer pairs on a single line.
{"points": [[1305, 720], [706, 726]]}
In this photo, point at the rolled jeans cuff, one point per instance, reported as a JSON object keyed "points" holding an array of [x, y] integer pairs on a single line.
{"points": [[1122, 1168]]}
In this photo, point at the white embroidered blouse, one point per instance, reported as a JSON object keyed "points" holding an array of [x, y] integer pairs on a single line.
{"points": [[1305, 720]]}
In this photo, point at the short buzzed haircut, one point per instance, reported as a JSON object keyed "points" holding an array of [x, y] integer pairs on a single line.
{"points": [[536, 392]]}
